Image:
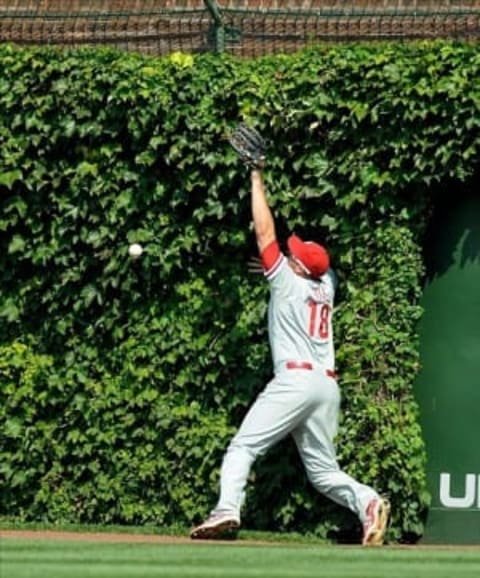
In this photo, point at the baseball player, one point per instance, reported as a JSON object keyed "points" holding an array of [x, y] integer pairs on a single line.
{"points": [[303, 397]]}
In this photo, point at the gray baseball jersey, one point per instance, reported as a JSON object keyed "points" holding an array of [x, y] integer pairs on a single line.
{"points": [[300, 317]]}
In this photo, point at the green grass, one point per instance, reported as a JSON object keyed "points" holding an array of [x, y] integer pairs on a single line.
{"points": [[43, 558]]}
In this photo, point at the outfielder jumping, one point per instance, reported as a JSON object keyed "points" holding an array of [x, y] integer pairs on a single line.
{"points": [[303, 398]]}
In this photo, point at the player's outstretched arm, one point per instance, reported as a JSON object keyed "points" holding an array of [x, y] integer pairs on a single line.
{"points": [[263, 221], [250, 146]]}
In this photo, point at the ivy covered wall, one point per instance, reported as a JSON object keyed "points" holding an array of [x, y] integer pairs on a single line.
{"points": [[122, 381]]}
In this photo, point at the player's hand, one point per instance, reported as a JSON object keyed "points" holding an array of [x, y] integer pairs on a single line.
{"points": [[254, 265]]}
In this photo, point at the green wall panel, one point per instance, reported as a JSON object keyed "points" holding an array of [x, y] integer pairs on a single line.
{"points": [[448, 386]]}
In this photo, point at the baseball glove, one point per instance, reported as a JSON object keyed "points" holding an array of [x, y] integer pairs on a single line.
{"points": [[249, 144]]}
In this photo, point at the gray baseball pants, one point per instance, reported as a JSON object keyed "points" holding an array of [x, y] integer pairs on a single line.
{"points": [[305, 404]]}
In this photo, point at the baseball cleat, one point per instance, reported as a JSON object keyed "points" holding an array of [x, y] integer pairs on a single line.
{"points": [[375, 524], [214, 525]]}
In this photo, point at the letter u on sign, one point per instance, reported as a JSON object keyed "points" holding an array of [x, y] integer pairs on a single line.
{"points": [[472, 488]]}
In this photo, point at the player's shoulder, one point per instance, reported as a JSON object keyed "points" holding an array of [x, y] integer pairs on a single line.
{"points": [[322, 290], [330, 277]]}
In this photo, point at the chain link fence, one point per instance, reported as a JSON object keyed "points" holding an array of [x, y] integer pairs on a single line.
{"points": [[241, 27]]}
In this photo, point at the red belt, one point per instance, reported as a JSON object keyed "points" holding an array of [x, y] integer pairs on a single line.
{"points": [[309, 366]]}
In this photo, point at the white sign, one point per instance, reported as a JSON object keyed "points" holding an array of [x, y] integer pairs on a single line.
{"points": [[470, 495]]}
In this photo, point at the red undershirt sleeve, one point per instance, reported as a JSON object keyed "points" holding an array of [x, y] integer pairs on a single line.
{"points": [[270, 255]]}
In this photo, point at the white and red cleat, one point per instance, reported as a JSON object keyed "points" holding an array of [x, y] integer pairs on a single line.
{"points": [[214, 525]]}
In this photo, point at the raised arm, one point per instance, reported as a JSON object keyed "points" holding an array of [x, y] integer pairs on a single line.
{"points": [[263, 222], [251, 148]]}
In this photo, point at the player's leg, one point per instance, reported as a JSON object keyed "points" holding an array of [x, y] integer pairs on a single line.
{"points": [[276, 412], [315, 441]]}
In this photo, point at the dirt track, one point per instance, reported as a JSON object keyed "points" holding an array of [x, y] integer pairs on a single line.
{"points": [[108, 537], [119, 538], [94, 536]]}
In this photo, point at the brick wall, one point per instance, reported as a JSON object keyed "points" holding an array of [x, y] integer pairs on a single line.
{"points": [[154, 27]]}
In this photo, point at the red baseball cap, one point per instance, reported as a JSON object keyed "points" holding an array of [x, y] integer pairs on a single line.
{"points": [[311, 255]]}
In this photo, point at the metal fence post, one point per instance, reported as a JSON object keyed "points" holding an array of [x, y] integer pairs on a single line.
{"points": [[218, 27]]}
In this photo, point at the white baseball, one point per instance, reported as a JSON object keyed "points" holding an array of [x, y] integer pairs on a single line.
{"points": [[135, 250]]}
